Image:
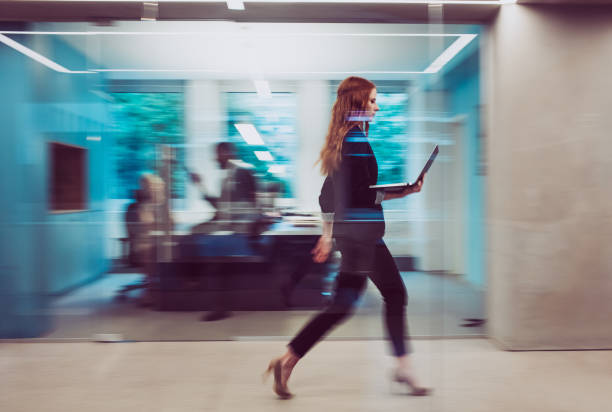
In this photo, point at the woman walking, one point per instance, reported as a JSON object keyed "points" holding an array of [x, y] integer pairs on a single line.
{"points": [[353, 216]]}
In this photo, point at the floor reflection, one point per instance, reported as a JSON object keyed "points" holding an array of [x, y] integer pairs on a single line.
{"points": [[438, 306]]}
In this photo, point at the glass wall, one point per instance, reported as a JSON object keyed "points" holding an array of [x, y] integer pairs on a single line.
{"points": [[234, 242]]}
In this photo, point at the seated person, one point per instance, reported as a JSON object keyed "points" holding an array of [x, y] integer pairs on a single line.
{"points": [[137, 227], [147, 213]]}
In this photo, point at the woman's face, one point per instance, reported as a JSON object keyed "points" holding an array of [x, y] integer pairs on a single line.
{"points": [[371, 106]]}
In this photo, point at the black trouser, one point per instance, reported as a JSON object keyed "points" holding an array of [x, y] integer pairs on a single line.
{"points": [[360, 260]]}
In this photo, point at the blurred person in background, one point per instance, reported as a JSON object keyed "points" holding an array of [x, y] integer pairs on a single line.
{"points": [[353, 216], [236, 206], [236, 212], [147, 214]]}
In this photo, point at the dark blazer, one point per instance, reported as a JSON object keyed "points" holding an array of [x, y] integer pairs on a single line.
{"points": [[346, 192], [240, 187]]}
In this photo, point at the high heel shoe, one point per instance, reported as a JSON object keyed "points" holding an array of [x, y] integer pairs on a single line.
{"points": [[415, 390], [281, 390]]}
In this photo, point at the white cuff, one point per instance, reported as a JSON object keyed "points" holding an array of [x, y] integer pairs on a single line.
{"points": [[327, 217], [380, 195]]}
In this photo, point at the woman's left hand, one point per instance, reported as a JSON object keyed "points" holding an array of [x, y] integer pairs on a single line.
{"points": [[413, 188]]}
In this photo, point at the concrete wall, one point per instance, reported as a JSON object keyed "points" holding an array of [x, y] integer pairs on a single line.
{"points": [[550, 164]]}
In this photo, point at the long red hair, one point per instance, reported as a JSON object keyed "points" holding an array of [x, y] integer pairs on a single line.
{"points": [[351, 100]]}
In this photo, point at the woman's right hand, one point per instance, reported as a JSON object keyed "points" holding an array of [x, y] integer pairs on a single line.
{"points": [[322, 249]]}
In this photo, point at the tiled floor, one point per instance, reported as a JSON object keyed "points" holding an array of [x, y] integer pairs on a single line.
{"points": [[437, 304], [468, 375]]}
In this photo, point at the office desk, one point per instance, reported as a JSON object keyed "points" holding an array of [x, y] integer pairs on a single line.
{"points": [[241, 272]]}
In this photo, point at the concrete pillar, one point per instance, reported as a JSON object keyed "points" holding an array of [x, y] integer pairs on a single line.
{"points": [[314, 108], [550, 163], [205, 126]]}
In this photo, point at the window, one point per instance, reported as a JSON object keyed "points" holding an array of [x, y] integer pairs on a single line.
{"points": [[274, 119], [144, 120], [389, 137]]}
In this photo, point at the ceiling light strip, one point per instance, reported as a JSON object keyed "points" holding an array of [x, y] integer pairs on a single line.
{"points": [[241, 72], [450, 52], [36, 56], [462, 2], [227, 34], [445, 57]]}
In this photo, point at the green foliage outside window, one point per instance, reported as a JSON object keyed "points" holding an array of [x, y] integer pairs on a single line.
{"points": [[143, 121], [388, 137], [275, 120]]}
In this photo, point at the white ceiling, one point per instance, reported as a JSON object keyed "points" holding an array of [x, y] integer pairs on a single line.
{"points": [[229, 50]]}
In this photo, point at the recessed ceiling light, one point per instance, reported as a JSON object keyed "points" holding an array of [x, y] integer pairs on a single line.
{"points": [[150, 11], [277, 169], [249, 133], [264, 156], [235, 4]]}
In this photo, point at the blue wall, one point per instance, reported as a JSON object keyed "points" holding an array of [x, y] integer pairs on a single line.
{"points": [[45, 254]]}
